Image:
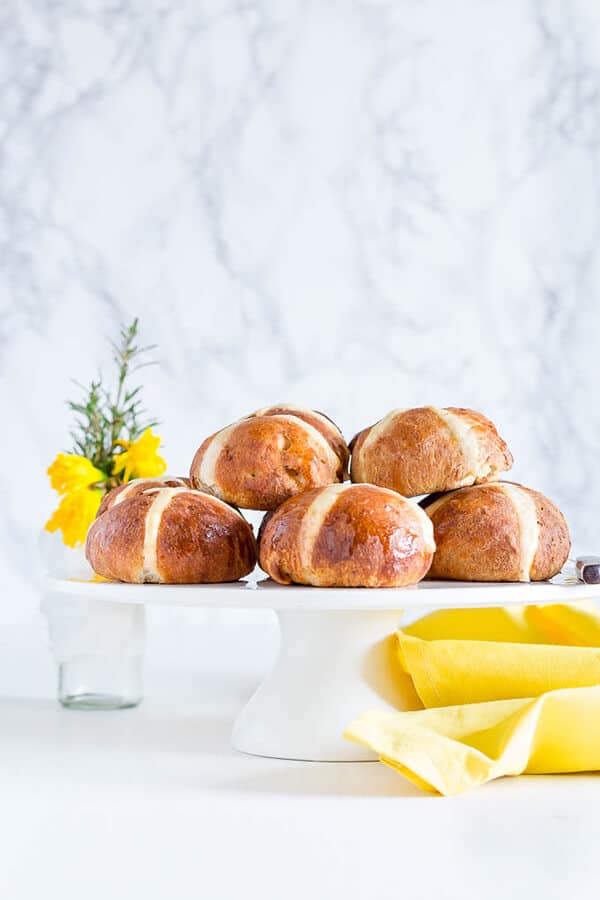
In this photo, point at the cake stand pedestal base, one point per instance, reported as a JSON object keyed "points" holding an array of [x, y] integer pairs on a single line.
{"points": [[332, 666]]}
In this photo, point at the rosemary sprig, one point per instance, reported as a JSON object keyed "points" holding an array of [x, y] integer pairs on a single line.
{"points": [[103, 420]]}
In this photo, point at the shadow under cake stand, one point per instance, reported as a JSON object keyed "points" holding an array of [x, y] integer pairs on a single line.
{"points": [[336, 658]]}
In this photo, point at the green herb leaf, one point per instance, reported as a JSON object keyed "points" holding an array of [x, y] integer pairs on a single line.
{"points": [[103, 418]]}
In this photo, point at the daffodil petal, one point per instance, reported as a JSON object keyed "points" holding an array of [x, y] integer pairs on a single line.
{"points": [[74, 515], [140, 459], [69, 472]]}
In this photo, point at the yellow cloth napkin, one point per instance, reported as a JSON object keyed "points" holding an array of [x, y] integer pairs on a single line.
{"points": [[505, 691]]}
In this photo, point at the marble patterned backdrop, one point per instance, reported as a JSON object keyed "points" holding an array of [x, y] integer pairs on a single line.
{"points": [[352, 205]]}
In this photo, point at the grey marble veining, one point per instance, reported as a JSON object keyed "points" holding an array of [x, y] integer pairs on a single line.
{"points": [[354, 206]]}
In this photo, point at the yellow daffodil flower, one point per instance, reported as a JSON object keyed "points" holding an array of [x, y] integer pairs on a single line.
{"points": [[69, 472], [140, 459], [76, 512]]}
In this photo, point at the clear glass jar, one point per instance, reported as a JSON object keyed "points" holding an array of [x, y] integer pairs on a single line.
{"points": [[98, 645], [100, 682]]}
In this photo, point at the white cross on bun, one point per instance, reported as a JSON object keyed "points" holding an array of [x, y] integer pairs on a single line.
{"points": [[138, 486]]}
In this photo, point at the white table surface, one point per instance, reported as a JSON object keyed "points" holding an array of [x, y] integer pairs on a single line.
{"points": [[153, 803]]}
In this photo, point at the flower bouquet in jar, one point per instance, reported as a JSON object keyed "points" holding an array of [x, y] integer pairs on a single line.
{"points": [[113, 442]]}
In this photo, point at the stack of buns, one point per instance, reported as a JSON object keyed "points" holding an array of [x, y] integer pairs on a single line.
{"points": [[321, 529]]}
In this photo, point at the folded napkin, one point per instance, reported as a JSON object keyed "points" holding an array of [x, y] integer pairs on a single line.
{"points": [[504, 691]]}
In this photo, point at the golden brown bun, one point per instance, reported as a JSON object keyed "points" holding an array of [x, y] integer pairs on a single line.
{"points": [[425, 450], [318, 420], [497, 532], [347, 535], [260, 461], [171, 536], [137, 486]]}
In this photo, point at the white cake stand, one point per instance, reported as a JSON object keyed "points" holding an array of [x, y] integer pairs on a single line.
{"points": [[335, 659]]}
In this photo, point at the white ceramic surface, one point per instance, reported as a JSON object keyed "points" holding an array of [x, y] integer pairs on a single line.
{"points": [[266, 594], [330, 665]]}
